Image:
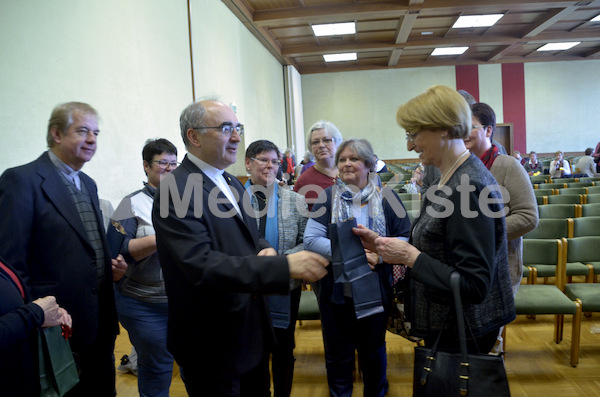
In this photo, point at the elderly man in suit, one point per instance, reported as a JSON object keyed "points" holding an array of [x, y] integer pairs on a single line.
{"points": [[216, 268], [52, 233]]}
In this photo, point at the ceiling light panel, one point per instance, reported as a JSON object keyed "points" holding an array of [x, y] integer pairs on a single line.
{"points": [[348, 56], [596, 19], [476, 21], [558, 46], [449, 51], [334, 29]]}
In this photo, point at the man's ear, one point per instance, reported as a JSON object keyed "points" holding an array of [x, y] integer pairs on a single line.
{"points": [[194, 137], [56, 135]]}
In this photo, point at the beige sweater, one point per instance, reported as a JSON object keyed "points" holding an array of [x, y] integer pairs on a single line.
{"points": [[522, 216]]}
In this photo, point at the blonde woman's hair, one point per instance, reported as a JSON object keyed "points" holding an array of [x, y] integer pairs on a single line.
{"points": [[440, 108]]}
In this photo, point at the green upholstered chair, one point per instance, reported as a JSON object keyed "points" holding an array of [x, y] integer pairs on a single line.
{"points": [[588, 294], [385, 176], [544, 192], [583, 251], [409, 196], [592, 190], [412, 204], [580, 184], [559, 210], [541, 200], [550, 299], [590, 210], [413, 214], [572, 190], [592, 198], [536, 179], [563, 180], [584, 226], [552, 185], [566, 199], [589, 179], [309, 307], [550, 228]]}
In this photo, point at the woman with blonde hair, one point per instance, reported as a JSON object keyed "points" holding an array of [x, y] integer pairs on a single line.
{"points": [[456, 231]]}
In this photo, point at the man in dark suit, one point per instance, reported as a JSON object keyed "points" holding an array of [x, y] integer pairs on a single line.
{"points": [[216, 268], [52, 233]]}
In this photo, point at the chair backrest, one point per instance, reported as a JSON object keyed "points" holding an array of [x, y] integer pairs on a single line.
{"points": [[580, 184], [544, 192], [539, 178], [412, 204], [559, 210], [546, 252], [592, 190], [589, 178], [385, 176], [585, 226], [409, 196], [572, 190], [581, 249], [592, 198], [590, 210], [542, 200], [550, 228], [563, 180], [566, 199], [552, 185], [412, 215]]}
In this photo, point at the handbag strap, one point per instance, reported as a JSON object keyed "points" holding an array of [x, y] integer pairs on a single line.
{"points": [[460, 320]]}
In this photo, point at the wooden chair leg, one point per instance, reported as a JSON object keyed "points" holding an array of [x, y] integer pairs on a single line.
{"points": [[576, 334], [559, 322]]}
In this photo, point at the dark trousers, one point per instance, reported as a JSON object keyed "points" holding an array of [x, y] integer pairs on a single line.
{"points": [[282, 365], [343, 333], [202, 380]]}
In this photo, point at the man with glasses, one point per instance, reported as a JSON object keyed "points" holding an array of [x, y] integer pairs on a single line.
{"points": [[52, 233], [216, 268]]}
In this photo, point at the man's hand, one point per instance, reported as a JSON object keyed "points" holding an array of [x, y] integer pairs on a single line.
{"points": [[309, 266], [267, 252], [395, 251], [367, 236], [372, 258], [119, 267]]}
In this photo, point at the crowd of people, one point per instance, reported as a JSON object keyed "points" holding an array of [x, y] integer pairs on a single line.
{"points": [[212, 280]]}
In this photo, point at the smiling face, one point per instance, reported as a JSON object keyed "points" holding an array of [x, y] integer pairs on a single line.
{"points": [[323, 147], [428, 144], [264, 168], [353, 170], [78, 145], [213, 147], [479, 139], [157, 172]]}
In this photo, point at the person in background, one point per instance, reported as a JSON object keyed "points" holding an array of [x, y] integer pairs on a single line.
{"points": [[380, 165], [308, 161], [520, 159], [522, 215], [52, 233], [596, 156], [346, 325], [20, 320], [280, 220], [323, 140], [288, 166], [533, 166], [471, 100], [473, 243], [586, 164], [216, 267], [416, 182], [559, 167], [140, 296]]}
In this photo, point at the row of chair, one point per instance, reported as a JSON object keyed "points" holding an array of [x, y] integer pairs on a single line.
{"points": [[568, 199], [589, 190], [564, 185], [568, 210]]}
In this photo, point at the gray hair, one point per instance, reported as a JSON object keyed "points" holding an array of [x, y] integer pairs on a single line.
{"points": [[192, 117], [330, 129], [363, 150], [62, 118]]}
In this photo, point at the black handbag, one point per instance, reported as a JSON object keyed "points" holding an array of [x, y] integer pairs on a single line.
{"points": [[397, 320], [440, 373]]}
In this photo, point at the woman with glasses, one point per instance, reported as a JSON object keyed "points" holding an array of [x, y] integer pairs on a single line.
{"points": [[280, 218], [140, 295], [323, 139], [460, 228], [354, 310]]}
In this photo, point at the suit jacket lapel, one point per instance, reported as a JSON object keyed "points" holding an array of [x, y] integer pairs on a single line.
{"points": [[54, 188]]}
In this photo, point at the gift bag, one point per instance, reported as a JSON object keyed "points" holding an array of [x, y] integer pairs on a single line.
{"points": [[439, 373], [58, 372]]}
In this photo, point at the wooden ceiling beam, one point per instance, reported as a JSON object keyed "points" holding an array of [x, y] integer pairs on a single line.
{"points": [[405, 25], [548, 20], [502, 51], [394, 57]]}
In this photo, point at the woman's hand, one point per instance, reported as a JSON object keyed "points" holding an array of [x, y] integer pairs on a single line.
{"points": [[119, 267], [367, 236], [267, 252], [395, 251], [372, 258]]}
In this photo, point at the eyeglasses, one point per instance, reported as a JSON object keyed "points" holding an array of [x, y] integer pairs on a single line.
{"points": [[325, 141], [411, 136], [265, 162], [478, 126], [165, 163], [226, 129]]}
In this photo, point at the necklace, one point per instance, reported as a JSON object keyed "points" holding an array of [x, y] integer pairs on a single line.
{"points": [[444, 178]]}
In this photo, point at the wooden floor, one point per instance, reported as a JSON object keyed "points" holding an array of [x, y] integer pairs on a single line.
{"points": [[536, 366]]}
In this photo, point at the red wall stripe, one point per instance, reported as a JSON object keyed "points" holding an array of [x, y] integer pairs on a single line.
{"points": [[467, 78], [513, 101]]}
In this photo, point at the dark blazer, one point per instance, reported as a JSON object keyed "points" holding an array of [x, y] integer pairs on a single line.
{"points": [[42, 236], [19, 322], [213, 278]]}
